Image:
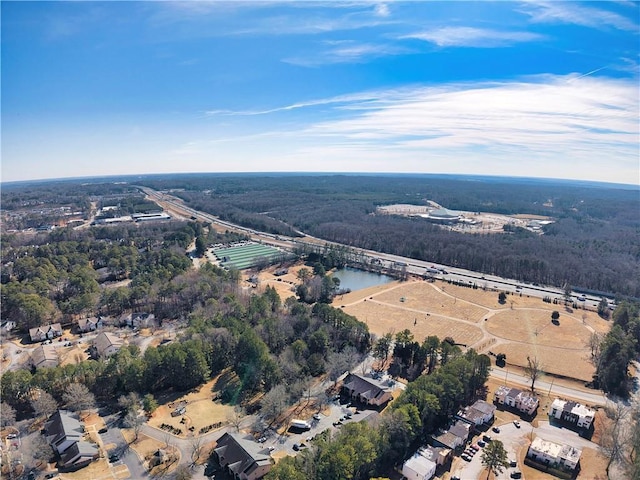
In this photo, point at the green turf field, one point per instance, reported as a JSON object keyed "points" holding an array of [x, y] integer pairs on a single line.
{"points": [[246, 256]]}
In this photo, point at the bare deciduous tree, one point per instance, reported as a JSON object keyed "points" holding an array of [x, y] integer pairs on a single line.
{"points": [[533, 370], [614, 438], [236, 416], [196, 450], [44, 405], [595, 347], [134, 421], [274, 402], [78, 397], [7, 414]]}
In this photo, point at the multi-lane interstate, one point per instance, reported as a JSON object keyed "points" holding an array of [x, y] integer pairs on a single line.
{"points": [[417, 267]]}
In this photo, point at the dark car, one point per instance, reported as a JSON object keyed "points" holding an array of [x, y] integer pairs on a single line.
{"points": [[496, 429], [516, 474], [114, 457]]}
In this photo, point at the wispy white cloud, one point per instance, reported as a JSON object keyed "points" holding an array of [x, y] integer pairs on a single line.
{"points": [[575, 13], [473, 37], [347, 52], [549, 126]]}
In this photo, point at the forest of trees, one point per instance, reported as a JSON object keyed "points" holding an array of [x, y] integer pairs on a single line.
{"points": [[593, 244]]}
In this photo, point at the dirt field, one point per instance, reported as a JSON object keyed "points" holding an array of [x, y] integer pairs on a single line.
{"points": [[201, 411], [519, 328]]}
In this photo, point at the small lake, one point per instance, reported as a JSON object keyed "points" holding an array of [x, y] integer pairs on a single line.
{"points": [[354, 279]]}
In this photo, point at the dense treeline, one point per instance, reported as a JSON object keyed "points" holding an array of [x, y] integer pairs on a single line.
{"points": [[57, 276], [364, 450], [613, 353], [593, 244], [256, 340]]}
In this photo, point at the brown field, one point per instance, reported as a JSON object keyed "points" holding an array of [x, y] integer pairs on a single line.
{"points": [[201, 410], [535, 327], [383, 318], [519, 328], [431, 300]]}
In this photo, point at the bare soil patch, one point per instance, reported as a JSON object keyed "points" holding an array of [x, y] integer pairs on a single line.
{"points": [[201, 410]]}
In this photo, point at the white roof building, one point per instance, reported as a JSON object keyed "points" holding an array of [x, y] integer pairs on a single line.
{"points": [[419, 467], [572, 413], [554, 454]]}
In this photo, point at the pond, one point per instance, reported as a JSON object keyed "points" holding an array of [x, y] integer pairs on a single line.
{"points": [[354, 279]]}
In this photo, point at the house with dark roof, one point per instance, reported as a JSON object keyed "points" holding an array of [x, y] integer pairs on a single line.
{"points": [[46, 332], [243, 459], [477, 414], [106, 344], [455, 436], [366, 390], [44, 356], [138, 320], [573, 414], [522, 401], [64, 433], [89, 324]]}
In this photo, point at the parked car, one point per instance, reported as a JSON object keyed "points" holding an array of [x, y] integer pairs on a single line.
{"points": [[11, 436], [516, 423], [487, 438], [474, 447], [496, 430], [114, 457], [316, 416], [466, 458], [516, 474], [513, 463], [481, 443]]}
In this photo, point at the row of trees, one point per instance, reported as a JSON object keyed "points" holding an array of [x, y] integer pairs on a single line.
{"points": [[362, 450], [612, 353]]}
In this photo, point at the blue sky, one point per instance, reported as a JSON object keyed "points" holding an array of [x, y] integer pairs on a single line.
{"points": [[534, 88]]}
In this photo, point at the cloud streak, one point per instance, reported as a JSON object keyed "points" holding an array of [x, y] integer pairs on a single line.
{"points": [[473, 37], [574, 13]]}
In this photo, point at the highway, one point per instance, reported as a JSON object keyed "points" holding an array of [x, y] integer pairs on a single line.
{"points": [[415, 267]]}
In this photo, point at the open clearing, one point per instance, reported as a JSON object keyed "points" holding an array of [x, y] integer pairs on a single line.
{"points": [[201, 411], [519, 328]]}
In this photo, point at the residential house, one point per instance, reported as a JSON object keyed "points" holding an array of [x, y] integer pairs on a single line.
{"points": [[106, 344], [44, 356], [439, 455], [572, 413], [419, 467], [79, 455], [554, 454], [477, 414], [522, 401], [455, 436], [366, 390], [47, 332], [89, 324], [138, 320], [64, 433], [244, 459]]}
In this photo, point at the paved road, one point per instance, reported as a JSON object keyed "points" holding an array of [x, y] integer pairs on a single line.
{"points": [[593, 397]]}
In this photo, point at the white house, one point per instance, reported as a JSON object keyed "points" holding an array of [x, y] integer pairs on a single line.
{"points": [[418, 467], [139, 320], [554, 454], [106, 344], [572, 413], [522, 401]]}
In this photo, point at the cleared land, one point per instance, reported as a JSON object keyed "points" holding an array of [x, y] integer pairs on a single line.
{"points": [[519, 328], [201, 411]]}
